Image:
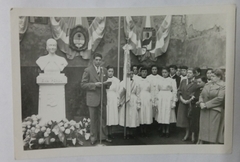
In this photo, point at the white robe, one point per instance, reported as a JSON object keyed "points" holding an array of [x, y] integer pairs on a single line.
{"points": [[146, 111], [154, 81], [113, 101], [132, 117], [167, 97]]}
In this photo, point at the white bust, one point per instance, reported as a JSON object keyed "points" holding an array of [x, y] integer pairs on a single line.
{"points": [[51, 63]]}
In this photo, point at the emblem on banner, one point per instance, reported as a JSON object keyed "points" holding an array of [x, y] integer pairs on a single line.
{"points": [[148, 39], [79, 38]]}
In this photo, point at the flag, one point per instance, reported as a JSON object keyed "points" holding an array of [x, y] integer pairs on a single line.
{"points": [[162, 37], [23, 25], [126, 70], [133, 35], [61, 31]]}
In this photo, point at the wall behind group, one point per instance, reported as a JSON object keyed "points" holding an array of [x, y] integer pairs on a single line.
{"points": [[189, 45]]}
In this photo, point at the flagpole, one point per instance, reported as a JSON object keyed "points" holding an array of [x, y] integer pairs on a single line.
{"points": [[119, 39], [125, 107], [101, 102], [125, 112]]}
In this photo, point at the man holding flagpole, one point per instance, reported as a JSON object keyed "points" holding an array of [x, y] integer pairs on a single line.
{"points": [[96, 101], [128, 95]]}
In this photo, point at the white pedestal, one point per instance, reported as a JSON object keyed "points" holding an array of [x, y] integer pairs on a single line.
{"points": [[51, 104]]}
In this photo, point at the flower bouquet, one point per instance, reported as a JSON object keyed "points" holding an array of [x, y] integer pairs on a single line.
{"points": [[54, 134]]}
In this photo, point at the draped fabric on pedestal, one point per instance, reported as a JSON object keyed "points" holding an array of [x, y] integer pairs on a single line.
{"points": [[61, 32], [23, 25], [133, 32]]}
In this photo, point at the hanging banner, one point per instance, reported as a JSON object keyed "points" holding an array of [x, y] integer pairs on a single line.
{"points": [[148, 40], [75, 37], [23, 26]]}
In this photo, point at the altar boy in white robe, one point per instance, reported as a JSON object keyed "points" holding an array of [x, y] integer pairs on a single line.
{"points": [[135, 72], [112, 101], [146, 111], [132, 117], [167, 99], [154, 80]]}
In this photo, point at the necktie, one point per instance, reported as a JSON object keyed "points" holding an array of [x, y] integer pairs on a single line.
{"points": [[98, 71]]}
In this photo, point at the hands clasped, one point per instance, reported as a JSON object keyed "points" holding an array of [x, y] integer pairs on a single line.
{"points": [[186, 101]]}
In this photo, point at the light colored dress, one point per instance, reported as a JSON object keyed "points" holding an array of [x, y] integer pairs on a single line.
{"points": [[167, 98], [146, 111], [113, 101], [132, 117], [154, 81]]}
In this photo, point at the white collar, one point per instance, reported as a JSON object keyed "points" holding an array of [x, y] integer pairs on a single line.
{"points": [[172, 75]]}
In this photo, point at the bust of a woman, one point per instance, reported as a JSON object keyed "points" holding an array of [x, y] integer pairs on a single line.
{"points": [[51, 63]]}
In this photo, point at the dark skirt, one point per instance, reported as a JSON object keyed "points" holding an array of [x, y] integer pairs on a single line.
{"points": [[209, 125], [182, 117], [194, 118]]}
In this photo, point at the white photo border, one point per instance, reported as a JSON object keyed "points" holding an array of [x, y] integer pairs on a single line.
{"points": [[20, 153]]}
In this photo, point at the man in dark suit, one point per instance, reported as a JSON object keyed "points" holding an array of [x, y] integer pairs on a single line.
{"points": [[91, 82]]}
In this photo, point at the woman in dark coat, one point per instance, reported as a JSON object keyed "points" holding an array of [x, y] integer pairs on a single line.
{"points": [[186, 91], [212, 109], [195, 109]]}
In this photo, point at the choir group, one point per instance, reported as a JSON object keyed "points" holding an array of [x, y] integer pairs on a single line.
{"points": [[179, 95]]}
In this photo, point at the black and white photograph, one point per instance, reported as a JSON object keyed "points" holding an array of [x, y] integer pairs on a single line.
{"points": [[137, 78]]}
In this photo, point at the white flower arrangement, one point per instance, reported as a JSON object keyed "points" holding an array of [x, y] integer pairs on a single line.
{"points": [[54, 134]]}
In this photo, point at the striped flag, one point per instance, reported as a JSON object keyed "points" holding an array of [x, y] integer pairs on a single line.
{"points": [[162, 37], [61, 31], [23, 25], [126, 71], [133, 35]]}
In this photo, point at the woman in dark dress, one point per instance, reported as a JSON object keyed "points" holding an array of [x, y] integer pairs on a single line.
{"points": [[185, 94], [212, 109], [195, 109]]}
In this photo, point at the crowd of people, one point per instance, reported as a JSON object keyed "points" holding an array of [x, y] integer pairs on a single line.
{"points": [[181, 96]]}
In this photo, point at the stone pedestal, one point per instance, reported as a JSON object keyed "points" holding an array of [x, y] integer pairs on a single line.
{"points": [[51, 104]]}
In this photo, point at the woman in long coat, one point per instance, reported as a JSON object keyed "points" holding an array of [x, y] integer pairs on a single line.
{"points": [[195, 110], [212, 109], [186, 92]]}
